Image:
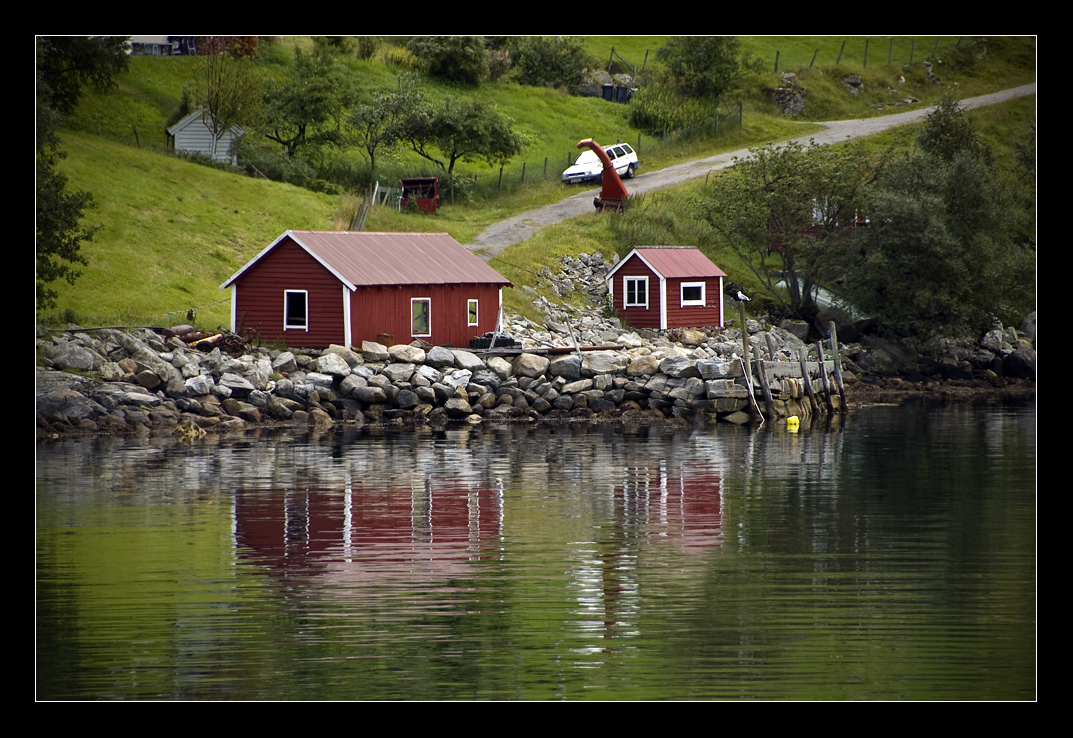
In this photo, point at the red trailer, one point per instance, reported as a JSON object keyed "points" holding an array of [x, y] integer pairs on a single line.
{"points": [[422, 190]]}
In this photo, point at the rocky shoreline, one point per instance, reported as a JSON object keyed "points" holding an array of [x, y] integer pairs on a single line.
{"points": [[579, 366]]}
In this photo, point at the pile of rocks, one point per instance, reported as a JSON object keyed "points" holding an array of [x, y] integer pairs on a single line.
{"points": [[111, 380]]}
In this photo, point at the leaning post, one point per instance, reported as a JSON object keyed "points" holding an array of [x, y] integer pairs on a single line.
{"points": [[803, 358], [824, 380], [761, 370], [832, 333]]}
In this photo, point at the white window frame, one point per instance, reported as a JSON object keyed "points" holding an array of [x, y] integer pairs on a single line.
{"points": [[643, 283], [428, 313], [697, 303], [287, 326], [472, 313]]}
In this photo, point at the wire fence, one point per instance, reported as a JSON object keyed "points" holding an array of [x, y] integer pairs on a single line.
{"points": [[891, 51]]}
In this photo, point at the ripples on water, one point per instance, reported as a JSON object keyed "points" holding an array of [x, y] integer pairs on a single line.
{"points": [[892, 558]]}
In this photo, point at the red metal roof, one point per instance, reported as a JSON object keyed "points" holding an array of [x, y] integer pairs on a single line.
{"points": [[359, 258], [672, 262]]}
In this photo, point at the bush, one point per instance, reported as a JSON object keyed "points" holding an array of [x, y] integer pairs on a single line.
{"points": [[548, 62], [455, 58], [702, 66]]}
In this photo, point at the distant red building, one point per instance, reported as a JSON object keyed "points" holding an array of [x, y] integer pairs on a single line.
{"points": [[316, 288], [665, 287]]}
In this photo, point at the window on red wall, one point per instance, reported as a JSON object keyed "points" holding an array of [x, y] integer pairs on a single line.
{"points": [[295, 310], [635, 291], [472, 311], [421, 316], [692, 294]]}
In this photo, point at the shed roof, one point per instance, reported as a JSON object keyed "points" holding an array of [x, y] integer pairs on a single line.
{"points": [[194, 117], [363, 259], [672, 262]]}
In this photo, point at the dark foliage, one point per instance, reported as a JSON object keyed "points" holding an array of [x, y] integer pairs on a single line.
{"points": [[461, 59]]}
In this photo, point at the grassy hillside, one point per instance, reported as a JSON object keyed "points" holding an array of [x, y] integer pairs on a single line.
{"points": [[172, 231]]}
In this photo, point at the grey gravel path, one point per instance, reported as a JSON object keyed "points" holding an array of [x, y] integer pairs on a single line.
{"points": [[498, 236]]}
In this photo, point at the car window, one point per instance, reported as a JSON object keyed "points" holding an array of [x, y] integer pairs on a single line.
{"points": [[618, 152], [627, 149], [611, 154]]}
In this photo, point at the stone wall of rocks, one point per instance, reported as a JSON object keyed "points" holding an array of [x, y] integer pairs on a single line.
{"points": [[115, 381]]}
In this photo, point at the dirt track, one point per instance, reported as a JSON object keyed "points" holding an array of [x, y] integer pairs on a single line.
{"points": [[497, 237]]}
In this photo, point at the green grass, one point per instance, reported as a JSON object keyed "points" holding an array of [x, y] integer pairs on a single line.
{"points": [[173, 230]]}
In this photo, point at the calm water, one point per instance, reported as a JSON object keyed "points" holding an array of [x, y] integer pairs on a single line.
{"points": [[890, 558]]}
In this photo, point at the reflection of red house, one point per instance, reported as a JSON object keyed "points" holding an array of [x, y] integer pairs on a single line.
{"points": [[443, 525], [667, 287], [316, 288]]}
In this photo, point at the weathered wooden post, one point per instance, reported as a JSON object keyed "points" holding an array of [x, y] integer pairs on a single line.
{"points": [[836, 356], [769, 401], [772, 349], [823, 378], [746, 358], [803, 358]]}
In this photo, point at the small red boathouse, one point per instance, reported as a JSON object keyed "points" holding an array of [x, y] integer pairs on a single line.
{"points": [[316, 288], [665, 287]]}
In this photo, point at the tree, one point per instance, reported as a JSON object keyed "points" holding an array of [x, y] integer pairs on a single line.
{"points": [[60, 234], [942, 254], [789, 212], [455, 58], [380, 122], [226, 91], [702, 66], [461, 131], [308, 109], [64, 66]]}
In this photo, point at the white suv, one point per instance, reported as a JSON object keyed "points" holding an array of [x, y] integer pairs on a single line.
{"points": [[589, 168]]}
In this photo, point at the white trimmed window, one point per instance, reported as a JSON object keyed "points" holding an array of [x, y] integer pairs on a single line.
{"points": [[693, 294], [295, 310], [420, 316], [635, 292], [471, 308]]}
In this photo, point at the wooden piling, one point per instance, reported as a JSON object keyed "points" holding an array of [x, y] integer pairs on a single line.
{"points": [[823, 379], [836, 356], [803, 359], [769, 401]]}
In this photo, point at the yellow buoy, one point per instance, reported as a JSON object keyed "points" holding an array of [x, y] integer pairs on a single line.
{"points": [[793, 423]]}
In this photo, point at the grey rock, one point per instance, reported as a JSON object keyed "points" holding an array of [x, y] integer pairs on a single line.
{"points": [[334, 365], [439, 357], [467, 360]]}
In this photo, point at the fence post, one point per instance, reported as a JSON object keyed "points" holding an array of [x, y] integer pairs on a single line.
{"points": [[839, 61], [866, 53], [890, 51], [935, 48], [500, 177], [776, 62], [545, 167], [912, 48], [523, 171], [814, 55]]}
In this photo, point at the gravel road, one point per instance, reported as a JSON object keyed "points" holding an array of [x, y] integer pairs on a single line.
{"points": [[497, 237]]}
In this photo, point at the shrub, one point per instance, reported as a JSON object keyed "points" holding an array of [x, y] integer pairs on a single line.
{"points": [[455, 58], [549, 62]]}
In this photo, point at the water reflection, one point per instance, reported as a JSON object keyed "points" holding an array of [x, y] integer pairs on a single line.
{"points": [[890, 558]]}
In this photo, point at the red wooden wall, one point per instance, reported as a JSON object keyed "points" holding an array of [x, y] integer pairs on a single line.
{"points": [[259, 298]]}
